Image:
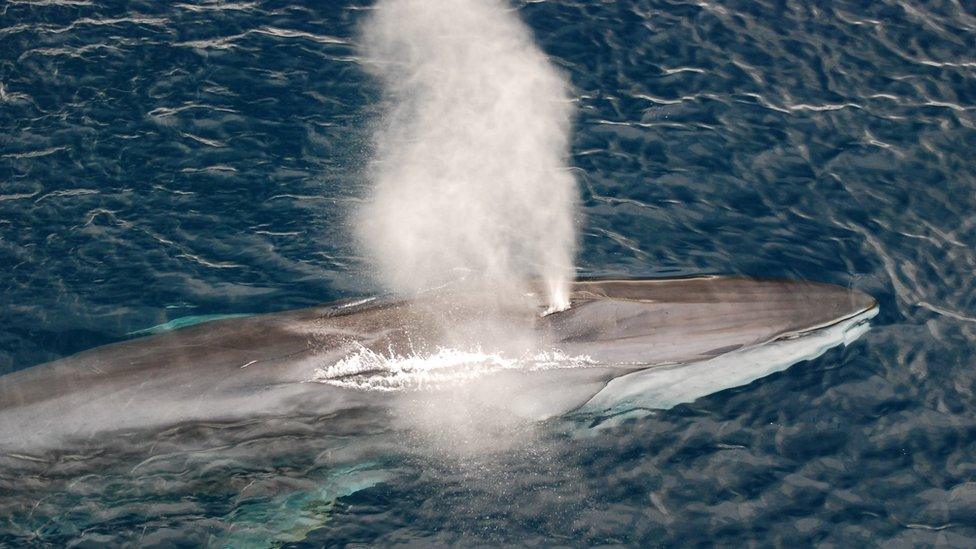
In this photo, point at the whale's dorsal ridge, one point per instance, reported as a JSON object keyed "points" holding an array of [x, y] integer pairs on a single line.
{"points": [[259, 365]]}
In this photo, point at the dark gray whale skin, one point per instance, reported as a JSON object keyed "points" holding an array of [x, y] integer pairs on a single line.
{"points": [[261, 366]]}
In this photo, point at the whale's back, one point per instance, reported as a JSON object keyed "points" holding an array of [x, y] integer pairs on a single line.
{"points": [[261, 365]]}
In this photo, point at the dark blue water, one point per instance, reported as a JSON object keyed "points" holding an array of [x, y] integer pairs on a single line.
{"points": [[161, 160]]}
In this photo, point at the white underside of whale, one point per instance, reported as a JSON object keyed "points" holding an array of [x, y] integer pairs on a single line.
{"points": [[665, 387]]}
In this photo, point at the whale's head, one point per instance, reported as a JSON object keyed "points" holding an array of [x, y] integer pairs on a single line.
{"points": [[673, 321]]}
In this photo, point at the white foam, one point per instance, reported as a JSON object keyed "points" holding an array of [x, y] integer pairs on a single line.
{"points": [[366, 369]]}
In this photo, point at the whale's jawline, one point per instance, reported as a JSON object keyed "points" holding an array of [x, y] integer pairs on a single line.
{"points": [[662, 387]]}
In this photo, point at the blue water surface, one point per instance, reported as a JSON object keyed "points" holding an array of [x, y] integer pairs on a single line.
{"points": [[165, 161]]}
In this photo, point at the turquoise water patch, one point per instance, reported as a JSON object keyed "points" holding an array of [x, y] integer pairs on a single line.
{"points": [[272, 522], [183, 322]]}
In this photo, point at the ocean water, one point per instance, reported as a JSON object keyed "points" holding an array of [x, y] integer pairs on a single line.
{"points": [[162, 162]]}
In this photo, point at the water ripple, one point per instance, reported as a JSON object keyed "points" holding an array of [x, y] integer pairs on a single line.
{"points": [[161, 161]]}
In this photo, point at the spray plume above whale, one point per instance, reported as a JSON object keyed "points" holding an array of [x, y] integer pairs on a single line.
{"points": [[469, 227]]}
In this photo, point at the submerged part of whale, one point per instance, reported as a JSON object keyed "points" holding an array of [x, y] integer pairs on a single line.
{"points": [[651, 342]]}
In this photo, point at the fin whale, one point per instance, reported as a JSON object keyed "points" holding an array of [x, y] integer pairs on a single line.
{"points": [[657, 342]]}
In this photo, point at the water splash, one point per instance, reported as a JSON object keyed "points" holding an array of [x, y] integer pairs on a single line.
{"points": [[470, 185], [368, 370]]}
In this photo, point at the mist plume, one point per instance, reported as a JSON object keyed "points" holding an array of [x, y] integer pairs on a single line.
{"points": [[469, 184]]}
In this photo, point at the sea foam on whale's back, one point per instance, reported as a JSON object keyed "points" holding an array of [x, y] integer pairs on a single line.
{"points": [[369, 370]]}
